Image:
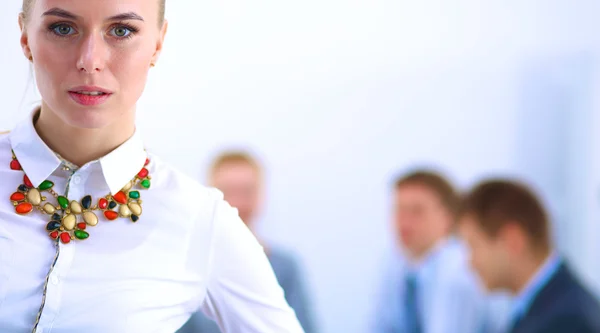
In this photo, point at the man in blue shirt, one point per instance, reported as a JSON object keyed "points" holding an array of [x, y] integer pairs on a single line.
{"points": [[429, 287], [239, 176], [508, 231]]}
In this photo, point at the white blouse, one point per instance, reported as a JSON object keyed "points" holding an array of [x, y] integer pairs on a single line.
{"points": [[189, 250]]}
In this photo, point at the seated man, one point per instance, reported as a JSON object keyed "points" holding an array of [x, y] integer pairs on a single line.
{"points": [[508, 231], [239, 176], [430, 288]]}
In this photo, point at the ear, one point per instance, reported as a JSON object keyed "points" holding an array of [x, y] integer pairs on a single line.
{"points": [[451, 221], [514, 237], [24, 37], [160, 42]]}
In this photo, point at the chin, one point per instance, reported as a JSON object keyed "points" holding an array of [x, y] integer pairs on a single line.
{"points": [[491, 286], [87, 119]]}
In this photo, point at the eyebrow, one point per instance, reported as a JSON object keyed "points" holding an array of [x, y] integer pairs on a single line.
{"points": [[126, 16], [60, 13], [68, 15]]}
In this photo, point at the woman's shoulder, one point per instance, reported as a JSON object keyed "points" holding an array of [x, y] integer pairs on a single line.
{"points": [[180, 191], [4, 137]]}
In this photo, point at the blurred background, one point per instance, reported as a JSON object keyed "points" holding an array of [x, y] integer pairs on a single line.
{"points": [[336, 97]]}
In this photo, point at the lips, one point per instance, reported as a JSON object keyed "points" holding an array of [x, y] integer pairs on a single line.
{"points": [[89, 95]]}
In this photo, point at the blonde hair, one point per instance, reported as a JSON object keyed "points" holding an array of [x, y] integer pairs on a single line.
{"points": [[235, 157], [28, 4]]}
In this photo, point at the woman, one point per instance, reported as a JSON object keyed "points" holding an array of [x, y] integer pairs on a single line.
{"points": [[96, 235]]}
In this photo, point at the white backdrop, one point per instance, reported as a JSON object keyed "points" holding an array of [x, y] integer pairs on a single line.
{"points": [[339, 95]]}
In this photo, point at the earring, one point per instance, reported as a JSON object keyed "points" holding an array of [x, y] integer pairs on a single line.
{"points": [[31, 58], [152, 64]]}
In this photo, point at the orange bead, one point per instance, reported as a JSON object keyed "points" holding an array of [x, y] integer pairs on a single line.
{"points": [[54, 234], [120, 197], [111, 215], [24, 208], [17, 196]]}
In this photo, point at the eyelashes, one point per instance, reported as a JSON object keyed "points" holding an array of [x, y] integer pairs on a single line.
{"points": [[120, 31]]}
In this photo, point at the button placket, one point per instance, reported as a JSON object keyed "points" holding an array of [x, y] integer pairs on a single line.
{"points": [[54, 285]]}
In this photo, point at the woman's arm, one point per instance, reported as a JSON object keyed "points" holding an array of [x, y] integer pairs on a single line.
{"points": [[242, 292]]}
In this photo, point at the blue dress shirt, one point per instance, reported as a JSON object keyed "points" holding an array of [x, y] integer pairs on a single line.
{"points": [[450, 298]]}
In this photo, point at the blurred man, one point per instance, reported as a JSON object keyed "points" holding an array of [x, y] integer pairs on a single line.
{"points": [[240, 177], [509, 234], [429, 288]]}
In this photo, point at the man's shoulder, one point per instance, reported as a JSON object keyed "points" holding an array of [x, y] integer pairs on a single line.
{"points": [[566, 300], [282, 257], [566, 321]]}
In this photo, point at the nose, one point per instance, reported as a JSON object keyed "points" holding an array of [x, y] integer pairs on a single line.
{"points": [[93, 54]]}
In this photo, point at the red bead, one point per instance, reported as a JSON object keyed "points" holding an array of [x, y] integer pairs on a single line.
{"points": [[102, 203], [147, 162], [54, 234], [27, 182], [15, 165], [24, 208], [143, 173], [111, 215], [120, 197], [65, 237], [17, 196], [81, 225]]}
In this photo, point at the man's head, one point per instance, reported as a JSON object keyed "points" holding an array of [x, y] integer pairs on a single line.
{"points": [[425, 206], [239, 176], [506, 227]]}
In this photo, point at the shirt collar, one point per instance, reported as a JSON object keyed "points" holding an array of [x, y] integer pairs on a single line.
{"points": [[39, 161], [424, 265], [523, 300], [36, 158], [123, 163]]}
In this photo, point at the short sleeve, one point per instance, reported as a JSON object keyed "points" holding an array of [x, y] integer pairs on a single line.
{"points": [[242, 292]]}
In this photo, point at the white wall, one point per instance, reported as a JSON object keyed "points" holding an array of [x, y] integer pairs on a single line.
{"points": [[339, 95]]}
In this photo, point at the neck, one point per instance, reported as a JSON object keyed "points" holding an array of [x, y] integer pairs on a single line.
{"points": [[526, 272], [248, 221], [82, 145], [417, 256]]}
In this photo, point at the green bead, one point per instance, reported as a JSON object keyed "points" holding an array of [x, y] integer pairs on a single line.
{"points": [[146, 183], [134, 194], [80, 234], [46, 185], [63, 202]]}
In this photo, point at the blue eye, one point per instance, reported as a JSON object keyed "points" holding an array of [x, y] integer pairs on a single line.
{"points": [[63, 30], [121, 31]]}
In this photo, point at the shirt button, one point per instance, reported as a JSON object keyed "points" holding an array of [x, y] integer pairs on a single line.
{"points": [[54, 280], [76, 180]]}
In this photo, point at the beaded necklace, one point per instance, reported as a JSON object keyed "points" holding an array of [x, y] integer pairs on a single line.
{"points": [[64, 225]]}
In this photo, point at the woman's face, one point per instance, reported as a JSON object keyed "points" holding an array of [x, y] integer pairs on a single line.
{"points": [[91, 58]]}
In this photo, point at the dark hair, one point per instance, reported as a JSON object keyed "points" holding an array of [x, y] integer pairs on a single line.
{"points": [[27, 4], [497, 203], [436, 183]]}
